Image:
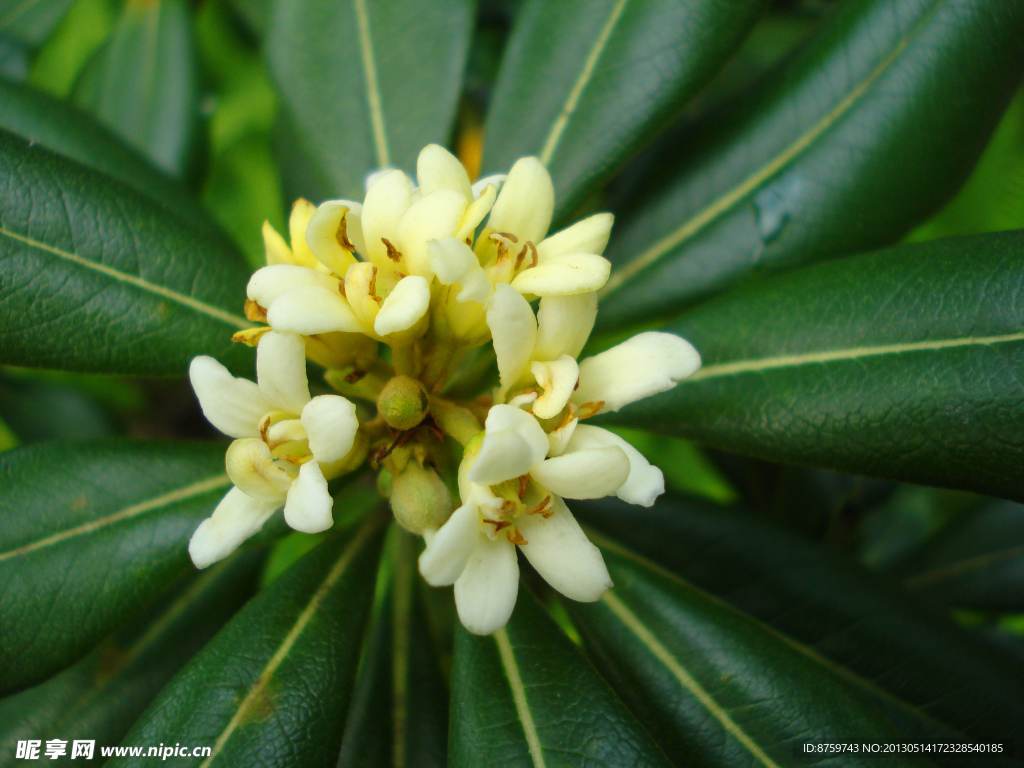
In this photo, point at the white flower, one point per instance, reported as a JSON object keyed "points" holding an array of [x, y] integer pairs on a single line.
{"points": [[286, 442]]}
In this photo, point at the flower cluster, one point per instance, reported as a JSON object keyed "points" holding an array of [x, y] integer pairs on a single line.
{"points": [[406, 299]]}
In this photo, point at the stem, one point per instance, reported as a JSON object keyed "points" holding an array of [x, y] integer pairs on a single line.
{"points": [[455, 420]]}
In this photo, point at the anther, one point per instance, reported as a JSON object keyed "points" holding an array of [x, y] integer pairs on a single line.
{"points": [[393, 253], [255, 312], [342, 234]]}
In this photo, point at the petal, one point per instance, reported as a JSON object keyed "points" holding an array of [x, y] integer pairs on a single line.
{"points": [[281, 370], [453, 262], [387, 200], [645, 483], [302, 212], [270, 283], [476, 211], [564, 324], [313, 309], [404, 307], [502, 456], [485, 593], [445, 557], [235, 519], [323, 232], [437, 168], [558, 379], [308, 508], [276, 248], [564, 275], [431, 217], [494, 180], [639, 367], [561, 552], [590, 235], [526, 202], [252, 469], [514, 332], [592, 473], [559, 438], [506, 417], [234, 406], [331, 425]]}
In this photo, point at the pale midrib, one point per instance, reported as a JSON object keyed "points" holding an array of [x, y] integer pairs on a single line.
{"points": [[286, 645], [194, 489], [854, 353], [962, 567], [558, 128], [380, 142], [685, 678], [138, 282], [515, 683], [752, 182]]}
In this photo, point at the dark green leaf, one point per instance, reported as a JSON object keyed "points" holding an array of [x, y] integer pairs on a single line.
{"points": [[13, 59], [365, 85], [43, 410], [715, 685], [144, 83], [97, 279], [904, 364], [90, 533], [584, 84], [101, 697], [525, 696], [31, 22], [855, 140], [273, 687], [933, 677]]}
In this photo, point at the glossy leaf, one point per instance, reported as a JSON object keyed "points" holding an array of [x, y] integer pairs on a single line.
{"points": [[712, 684], [904, 364], [100, 697], [272, 688], [584, 84], [525, 696], [31, 22], [144, 83], [98, 279], [852, 623], [864, 133], [365, 85]]}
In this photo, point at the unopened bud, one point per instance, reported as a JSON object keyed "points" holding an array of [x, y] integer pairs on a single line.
{"points": [[420, 499], [403, 402]]}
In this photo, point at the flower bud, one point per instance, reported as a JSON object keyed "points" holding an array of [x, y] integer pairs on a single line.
{"points": [[403, 402], [420, 499]]}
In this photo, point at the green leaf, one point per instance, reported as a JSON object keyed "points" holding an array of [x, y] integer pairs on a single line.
{"points": [[273, 687], [43, 410], [89, 533], [713, 684], [933, 678], [98, 279], [144, 83], [975, 562], [101, 696], [31, 22], [904, 364], [525, 696], [868, 130], [585, 84], [366, 85]]}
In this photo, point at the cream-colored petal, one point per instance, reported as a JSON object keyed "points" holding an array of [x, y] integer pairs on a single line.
{"points": [[564, 324], [476, 212], [331, 424], [285, 431], [387, 200], [558, 439], [485, 593], [589, 235], [495, 180], [236, 518], [503, 456], [645, 482], [234, 406], [437, 168], [514, 332], [561, 553], [526, 202], [445, 557], [592, 473], [308, 506], [302, 212], [252, 469], [503, 418], [313, 309], [432, 217], [564, 275], [639, 367], [268, 284], [276, 248], [558, 379], [322, 235], [452, 261], [404, 307], [281, 370]]}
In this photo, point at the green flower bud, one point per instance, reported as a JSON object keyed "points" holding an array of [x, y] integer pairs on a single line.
{"points": [[403, 402], [420, 499]]}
